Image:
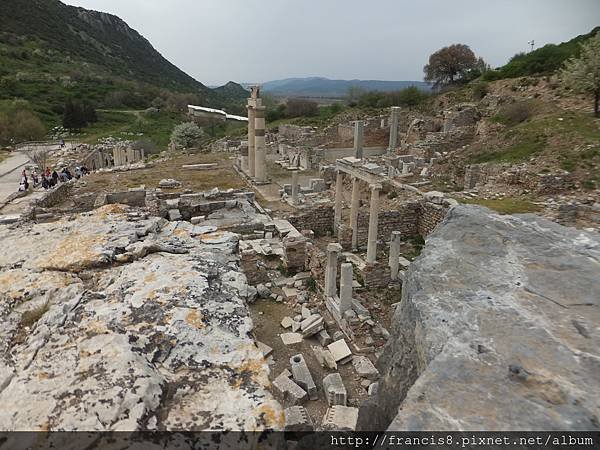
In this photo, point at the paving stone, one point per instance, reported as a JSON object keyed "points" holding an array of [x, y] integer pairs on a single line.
{"points": [[286, 322], [340, 418], [365, 368], [291, 338], [297, 419], [290, 391], [302, 376], [340, 351], [334, 388]]}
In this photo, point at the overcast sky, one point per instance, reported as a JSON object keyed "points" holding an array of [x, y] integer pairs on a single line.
{"points": [[260, 40]]}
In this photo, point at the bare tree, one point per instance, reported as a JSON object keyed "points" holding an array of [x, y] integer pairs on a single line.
{"points": [[39, 156]]}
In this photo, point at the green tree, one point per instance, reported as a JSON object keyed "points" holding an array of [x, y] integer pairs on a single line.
{"points": [[582, 74], [450, 64]]}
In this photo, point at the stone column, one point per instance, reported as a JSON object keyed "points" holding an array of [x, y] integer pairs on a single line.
{"points": [[394, 128], [395, 255], [346, 288], [244, 158], [295, 187], [260, 169], [354, 205], [339, 195], [373, 220], [358, 139], [251, 138], [333, 251]]}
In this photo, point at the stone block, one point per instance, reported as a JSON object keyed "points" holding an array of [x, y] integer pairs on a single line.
{"points": [[290, 391], [340, 418], [198, 219], [324, 338], [313, 328], [289, 293], [291, 338], [264, 348], [365, 368], [334, 388], [302, 376], [286, 322], [340, 351], [297, 419], [174, 215], [324, 357]]}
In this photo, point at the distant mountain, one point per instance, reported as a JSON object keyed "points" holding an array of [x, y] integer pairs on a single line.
{"points": [[324, 87], [50, 51]]}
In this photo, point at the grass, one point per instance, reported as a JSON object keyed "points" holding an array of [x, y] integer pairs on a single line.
{"points": [[224, 176], [505, 205], [560, 132]]}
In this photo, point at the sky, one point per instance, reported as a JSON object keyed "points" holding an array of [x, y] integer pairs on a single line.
{"points": [[216, 41]]}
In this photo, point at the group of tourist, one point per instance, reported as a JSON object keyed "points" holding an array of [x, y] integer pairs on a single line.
{"points": [[49, 178]]}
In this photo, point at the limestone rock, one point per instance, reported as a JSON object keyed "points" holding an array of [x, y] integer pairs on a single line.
{"points": [[497, 329], [158, 341]]}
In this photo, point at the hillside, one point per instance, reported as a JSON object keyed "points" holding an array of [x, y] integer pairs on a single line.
{"points": [[324, 87], [50, 51], [542, 61]]}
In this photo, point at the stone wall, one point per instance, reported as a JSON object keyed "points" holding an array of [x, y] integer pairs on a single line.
{"points": [[319, 220], [55, 196], [430, 216], [131, 198]]}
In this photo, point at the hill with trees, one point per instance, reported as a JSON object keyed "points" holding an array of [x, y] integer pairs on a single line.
{"points": [[51, 52]]}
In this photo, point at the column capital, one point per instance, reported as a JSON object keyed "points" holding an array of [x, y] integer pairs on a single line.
{"points": [[375, 187], [334, 247]]}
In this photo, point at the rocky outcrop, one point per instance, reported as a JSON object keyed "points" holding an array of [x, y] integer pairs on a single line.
{"points": [[498, 329], [112, 320]]}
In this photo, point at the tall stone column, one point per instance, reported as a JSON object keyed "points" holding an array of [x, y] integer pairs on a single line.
{"points": [[295, 187], [260, 170], [358, 139], [251, 138], [373, 221], [394, 128], [339, 196], [346, 288], [333, 251], [395, 255], [354, 205]]}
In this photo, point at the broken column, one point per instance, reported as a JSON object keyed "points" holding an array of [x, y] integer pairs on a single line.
{"points": [[260, 148], [358, 139], [373, 221], [295, 187], [339, 195], [355, 204], [302, 376], [346, 288], [394, 128], [395, 255], [251, 137], [333, 250]]}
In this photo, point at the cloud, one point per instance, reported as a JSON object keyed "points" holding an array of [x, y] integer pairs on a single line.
{"points": [[259, 40]]}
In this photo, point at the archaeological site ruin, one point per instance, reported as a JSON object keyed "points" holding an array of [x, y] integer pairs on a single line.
{"points": [[359, 268]]}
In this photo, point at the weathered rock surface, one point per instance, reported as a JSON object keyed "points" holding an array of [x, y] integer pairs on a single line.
{"points": [[112, 321], [498, 329]]}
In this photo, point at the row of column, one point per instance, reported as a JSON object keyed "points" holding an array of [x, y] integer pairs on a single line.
{"points": [[257, 150], [354, 207], [124, 156]]}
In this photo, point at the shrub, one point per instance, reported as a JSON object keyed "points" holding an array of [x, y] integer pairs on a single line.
{"points": [[480, 90], [186, 135], [301, 108], [514, 114]]}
